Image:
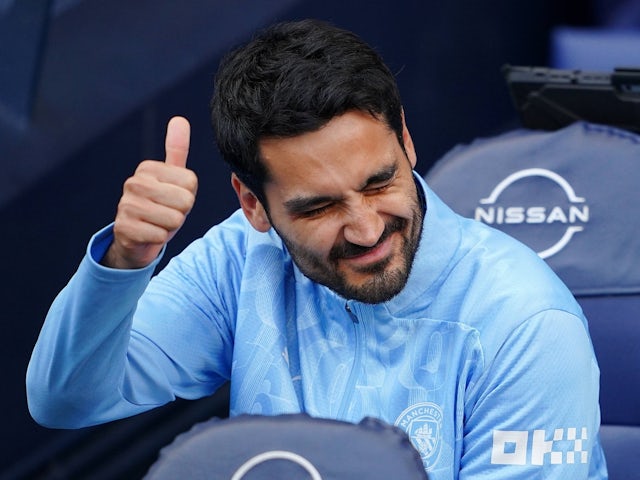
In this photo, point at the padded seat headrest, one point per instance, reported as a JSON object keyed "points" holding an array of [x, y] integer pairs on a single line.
{"points": [[572, 195], [289, 446]]}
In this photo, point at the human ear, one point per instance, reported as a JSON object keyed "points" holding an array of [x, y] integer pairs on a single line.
{"points": [[408, 143], [251, 206]]}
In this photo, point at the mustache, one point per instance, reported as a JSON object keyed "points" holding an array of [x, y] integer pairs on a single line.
{"points": [[348, 249]]}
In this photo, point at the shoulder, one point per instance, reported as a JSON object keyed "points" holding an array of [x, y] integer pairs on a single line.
{"points": [[492, 275], [507, 285], [232, 240], [227, 252]]}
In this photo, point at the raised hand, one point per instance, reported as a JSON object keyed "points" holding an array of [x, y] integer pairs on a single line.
{"points": [[154, 204]]}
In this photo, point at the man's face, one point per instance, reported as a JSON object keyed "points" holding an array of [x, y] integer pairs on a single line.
{"points": [[344, 201]]}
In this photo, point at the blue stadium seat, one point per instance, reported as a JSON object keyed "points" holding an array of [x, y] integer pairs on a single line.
{"points": [[573, 196]]}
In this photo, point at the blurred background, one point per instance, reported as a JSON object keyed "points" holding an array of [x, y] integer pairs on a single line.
{"points": [[86, 88]]}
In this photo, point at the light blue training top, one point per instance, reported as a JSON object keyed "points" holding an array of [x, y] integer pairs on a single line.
{"points": [[484, 358]]}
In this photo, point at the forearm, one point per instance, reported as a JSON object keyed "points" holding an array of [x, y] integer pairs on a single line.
{"points": [[79, 363]]}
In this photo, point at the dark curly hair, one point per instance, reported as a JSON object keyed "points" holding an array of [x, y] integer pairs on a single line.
{"points": [[293, 78]]}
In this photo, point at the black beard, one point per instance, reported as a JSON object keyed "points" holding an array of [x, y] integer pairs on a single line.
{"points": [[384, 284]]}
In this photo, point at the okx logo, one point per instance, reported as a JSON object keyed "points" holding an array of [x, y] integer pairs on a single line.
{"points": [[537, 447], [537, 206]]}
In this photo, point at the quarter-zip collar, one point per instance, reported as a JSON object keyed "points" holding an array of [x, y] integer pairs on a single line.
{"points": [[439, 242]]}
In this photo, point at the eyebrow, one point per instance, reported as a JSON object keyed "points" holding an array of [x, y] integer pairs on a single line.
{"points": [[297, 205]]}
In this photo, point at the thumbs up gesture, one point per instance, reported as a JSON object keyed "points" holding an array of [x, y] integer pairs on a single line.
{"points": [[154, 204]]}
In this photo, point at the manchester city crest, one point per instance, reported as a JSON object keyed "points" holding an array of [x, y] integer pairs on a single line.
{"points": [[423, 424]]}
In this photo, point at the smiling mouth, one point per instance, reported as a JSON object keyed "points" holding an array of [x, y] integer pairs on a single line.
{"points": [[376, 256], [358, 251], [381, 252]]}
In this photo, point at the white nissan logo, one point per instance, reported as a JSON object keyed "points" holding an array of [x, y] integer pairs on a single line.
{"points": [[574, 217]]}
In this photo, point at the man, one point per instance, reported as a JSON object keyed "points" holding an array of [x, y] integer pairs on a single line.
{"points": [[343, 288]]}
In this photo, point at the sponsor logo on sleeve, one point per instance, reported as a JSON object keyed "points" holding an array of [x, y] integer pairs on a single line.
{"points": [[539, 447]]}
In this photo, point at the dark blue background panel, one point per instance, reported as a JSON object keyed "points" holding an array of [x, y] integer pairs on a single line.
{"points": [[110, 75], [23, 27]]}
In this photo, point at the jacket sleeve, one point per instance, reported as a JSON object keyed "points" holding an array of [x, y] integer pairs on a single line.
{"points": [[534, 412], [92, 364]]}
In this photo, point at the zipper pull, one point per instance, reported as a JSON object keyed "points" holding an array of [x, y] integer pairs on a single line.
{"points": [[353, 316]]}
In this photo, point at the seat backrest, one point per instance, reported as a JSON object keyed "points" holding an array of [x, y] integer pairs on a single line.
{"points": [[595, 49], [573, 196], [252, 447]]}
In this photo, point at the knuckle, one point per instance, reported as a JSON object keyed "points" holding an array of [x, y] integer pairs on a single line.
{"points": [[125, 208], [147, 166], [132, 184], [191, 181], [187, 202], [174, 220]]}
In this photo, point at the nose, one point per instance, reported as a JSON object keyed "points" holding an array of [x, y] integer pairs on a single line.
{"points": [[364, 226]]}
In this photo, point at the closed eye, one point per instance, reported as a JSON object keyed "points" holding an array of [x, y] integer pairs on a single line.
{"points": [[377, 188], [306, 207], [311, 207], [381, 180], [315, 212]]}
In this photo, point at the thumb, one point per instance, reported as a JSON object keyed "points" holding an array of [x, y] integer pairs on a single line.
{"points": [[176, 143]]}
